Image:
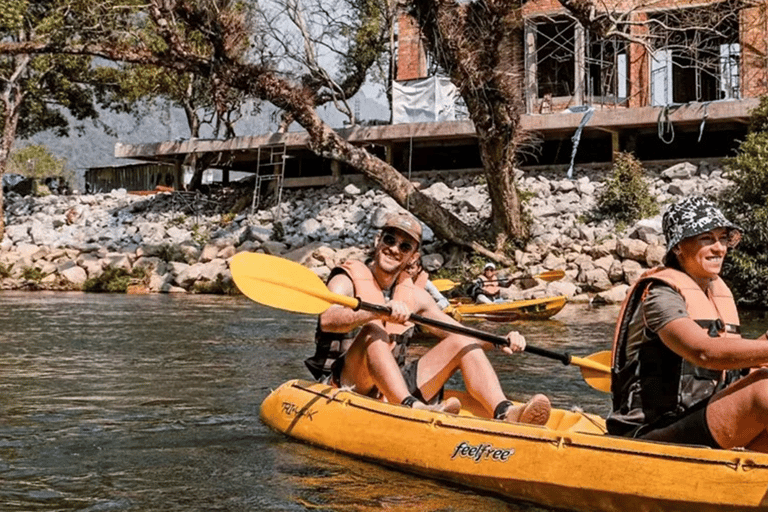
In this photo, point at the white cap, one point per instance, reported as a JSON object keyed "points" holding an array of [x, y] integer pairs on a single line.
{"points": [[489, 266]]}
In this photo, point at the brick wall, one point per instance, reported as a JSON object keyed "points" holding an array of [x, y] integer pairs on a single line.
{"points": [[754, 51], [411, 58]]}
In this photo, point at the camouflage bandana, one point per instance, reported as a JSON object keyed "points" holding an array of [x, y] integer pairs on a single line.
{"points": [[693, 216]]}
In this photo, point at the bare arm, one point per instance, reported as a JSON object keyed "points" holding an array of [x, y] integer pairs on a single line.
{"points": [[343, 319], [685, 338], [426, 306]]}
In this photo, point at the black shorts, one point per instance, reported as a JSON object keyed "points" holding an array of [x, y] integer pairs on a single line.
{"points": [[409, 372], [689, 429]]}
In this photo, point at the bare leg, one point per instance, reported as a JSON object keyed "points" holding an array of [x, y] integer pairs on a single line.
{"points": [[738, 415], [458, 352], [369, 362]]}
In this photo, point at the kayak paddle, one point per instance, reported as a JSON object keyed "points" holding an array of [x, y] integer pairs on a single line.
{"points": [[549, 276], [284, 284]]}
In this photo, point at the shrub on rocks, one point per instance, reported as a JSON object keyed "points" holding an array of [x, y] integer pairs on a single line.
{"points": [[626, 196], [115, 280], [32, 274], [219, 286]]}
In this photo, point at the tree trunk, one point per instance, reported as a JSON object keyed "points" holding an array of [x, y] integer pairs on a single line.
{"points": [[10, 122], [479, 44], [199, 165], [263, 82], [12, 98], [326, 142]]}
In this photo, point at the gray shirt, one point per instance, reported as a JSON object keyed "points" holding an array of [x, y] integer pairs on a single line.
{"points": [[662, 304]]}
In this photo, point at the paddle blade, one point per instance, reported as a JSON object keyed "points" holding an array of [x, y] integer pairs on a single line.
{"points": [[280, 283], [598, 373], [444, 285], [552, 275]]}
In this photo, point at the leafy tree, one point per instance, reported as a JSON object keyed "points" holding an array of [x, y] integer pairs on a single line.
{"points": [[137, 89], [746, 204], [37, 89], [479, 44], [204, 38], [35, 161]]}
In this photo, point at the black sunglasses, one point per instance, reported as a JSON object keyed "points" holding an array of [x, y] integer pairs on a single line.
{"points": [[390, 240]]}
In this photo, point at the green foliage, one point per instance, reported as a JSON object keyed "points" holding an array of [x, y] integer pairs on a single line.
{"points": [[758, 118], [32, 274], [746, 204], [625, 196], [278, 231], [170, 252], [5, 271], [12, 15], [114, 280], [178, 220], [35, 161], [220, 286], [749, 170], [200, 235], [227, 218], [53, 84]]}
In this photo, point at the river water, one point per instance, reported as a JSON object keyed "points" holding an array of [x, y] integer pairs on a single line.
{"points": [[151, 403]]}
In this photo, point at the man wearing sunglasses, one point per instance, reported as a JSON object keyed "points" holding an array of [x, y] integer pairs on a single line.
{"points": [[366, 351]]}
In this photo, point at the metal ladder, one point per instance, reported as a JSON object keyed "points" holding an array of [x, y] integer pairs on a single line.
{"points": [[274, 171]]}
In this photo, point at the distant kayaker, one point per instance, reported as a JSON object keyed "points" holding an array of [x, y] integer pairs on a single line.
{"points": [[487, 287], [680, 366], [366, 351]]}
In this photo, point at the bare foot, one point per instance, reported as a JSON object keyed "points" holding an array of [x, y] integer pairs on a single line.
{"points": [[535, 412], [450, 405]]}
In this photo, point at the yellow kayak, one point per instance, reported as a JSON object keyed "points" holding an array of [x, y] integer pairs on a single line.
{"points": [[532, 309], [567, 464]]}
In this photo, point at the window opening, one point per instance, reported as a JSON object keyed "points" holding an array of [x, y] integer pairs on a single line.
{"points": [[696, 55], [606, 70], [555, 57]]}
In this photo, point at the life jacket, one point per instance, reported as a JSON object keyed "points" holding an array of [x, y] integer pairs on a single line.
{"points": [[329, 346], [653, 387], [489, 288]]}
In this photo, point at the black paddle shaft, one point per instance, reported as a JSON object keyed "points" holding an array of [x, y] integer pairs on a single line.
{"points": [[564, 358]]}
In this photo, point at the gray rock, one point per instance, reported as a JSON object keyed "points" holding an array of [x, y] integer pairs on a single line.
{"points": [[683, 170], [614, 295], [72, 272]]}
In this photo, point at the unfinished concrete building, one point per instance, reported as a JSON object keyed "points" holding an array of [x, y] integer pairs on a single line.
{"points": [[681, 85], [686, 93]]}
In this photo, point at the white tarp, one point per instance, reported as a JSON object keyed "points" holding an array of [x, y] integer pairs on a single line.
{"points": [[424, 100]]}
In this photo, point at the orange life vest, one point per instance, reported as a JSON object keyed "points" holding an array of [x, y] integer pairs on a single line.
{"points": [[490, 287], [367, 290], [330, 346], [653, 386]]}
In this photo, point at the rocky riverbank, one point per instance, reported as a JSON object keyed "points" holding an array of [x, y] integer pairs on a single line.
{"points": [[60, 242]]}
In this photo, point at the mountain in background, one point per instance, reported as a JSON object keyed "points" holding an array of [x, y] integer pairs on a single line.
{"points": [[90, 145]]}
